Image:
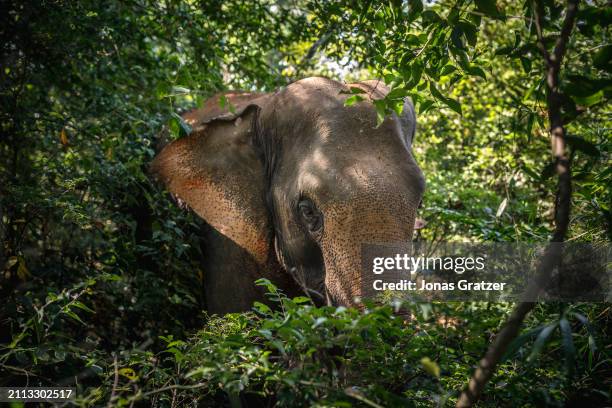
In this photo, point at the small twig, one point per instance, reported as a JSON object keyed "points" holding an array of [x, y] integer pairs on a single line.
{"points": [[115, 383], [174, 387], [538, 9], [20, 370]]}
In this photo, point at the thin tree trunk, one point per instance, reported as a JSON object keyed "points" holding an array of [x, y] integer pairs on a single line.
{"points": [[552, 255]]}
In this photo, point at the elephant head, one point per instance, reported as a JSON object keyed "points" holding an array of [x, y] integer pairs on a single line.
{"points": [[300, 181]]}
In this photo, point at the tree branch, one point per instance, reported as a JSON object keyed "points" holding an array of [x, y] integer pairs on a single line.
{"points": [[553, 253]]}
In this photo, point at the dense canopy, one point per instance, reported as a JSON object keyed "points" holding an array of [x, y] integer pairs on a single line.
{"points": [[101, 271]]}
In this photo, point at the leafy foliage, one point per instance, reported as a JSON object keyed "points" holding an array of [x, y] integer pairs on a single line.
{"points": [[301, 355], [101, 276]]}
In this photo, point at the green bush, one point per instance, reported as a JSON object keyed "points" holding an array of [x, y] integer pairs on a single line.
{"points": [[389, 355], [101, 271]]}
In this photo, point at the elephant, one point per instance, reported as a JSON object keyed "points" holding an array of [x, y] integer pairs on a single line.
{"points": [[290, 185]]}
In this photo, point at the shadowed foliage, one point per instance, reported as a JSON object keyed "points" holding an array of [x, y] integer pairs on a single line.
{"points": [[102, 274]]}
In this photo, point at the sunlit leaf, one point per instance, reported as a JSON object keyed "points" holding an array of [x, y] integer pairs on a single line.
{"points": [[398, 93], [381, 111], [431, 367], [502, 207], [22, 271], [351, 100], [180, 90], [128, 373], [63, 137]]}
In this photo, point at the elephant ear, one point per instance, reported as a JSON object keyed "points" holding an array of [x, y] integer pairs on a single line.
{"points": [[225, 106], [217, 172], [376, 89]]}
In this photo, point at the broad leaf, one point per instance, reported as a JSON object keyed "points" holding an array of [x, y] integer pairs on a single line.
{"points": [[489, 7]]}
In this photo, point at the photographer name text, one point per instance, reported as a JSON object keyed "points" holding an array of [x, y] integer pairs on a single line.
{"points": [[464, 285]]}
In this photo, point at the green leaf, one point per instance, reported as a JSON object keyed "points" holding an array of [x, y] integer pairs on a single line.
{"points": [[270, 287], [547, 171], [81, 306], [262, 308], [489, 7], [319, 321], [476, 19], [180, 90], [74, 316], [447, 69], [506, 50], [568, 344], [518, 342], [456, 35], [128, 373], [223, 101], [231, 107], [477, 71], [351, 100], [470, 31], [415, 7], [453, 16], [356, 90], [183, 128], [531, 173], [501, 208], [603, 58], [589, 100], [580, 85], [453, 104], [381, 111], [584, 146], [397, 106], [541, 341], [397, 93], [417, 71], [425, 106], [430, 17], [526, 64], [435, 92], [585, 322], [431, 367]]}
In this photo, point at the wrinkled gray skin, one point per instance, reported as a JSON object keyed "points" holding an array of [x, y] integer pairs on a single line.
{"points": [[291, 185]]}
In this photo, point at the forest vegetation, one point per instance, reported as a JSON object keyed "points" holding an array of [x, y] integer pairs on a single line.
{"points": [[101, 278]]}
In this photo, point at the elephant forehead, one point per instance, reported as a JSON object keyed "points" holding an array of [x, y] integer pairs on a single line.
{"points": [[316, 84], [313, 170], [332, 173], [335, 90]]}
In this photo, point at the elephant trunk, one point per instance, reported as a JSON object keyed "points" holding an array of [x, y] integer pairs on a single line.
{"points": [[375, 218]]}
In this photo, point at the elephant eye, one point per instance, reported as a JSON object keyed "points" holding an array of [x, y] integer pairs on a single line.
{"points": [[311, 217]]}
